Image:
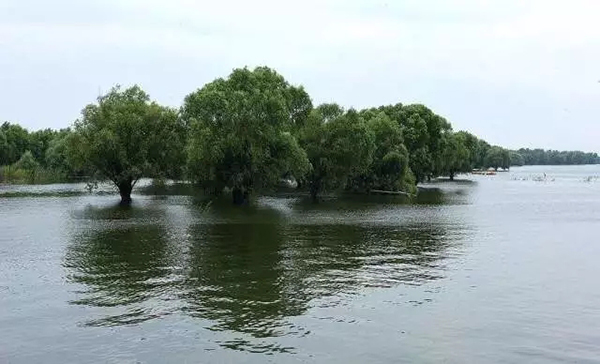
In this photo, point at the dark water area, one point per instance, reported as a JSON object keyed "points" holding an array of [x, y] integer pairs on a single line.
{"points": [[497, 269]]}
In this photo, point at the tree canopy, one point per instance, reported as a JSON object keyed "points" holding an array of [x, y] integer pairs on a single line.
{"points": [[456, 156], [389, 169], [339, 145], [251, 131], [124, 137], [555, 157], [241, 131]]}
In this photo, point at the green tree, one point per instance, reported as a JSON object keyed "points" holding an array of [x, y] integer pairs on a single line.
{"points": [[423, 131], [471, 142], [124, 137], [39, 142], [497, 157], [27, 162], [554, 157], [505, 159], [455, 156], [516, 159], [299, 105], [3, 148], [339, 146], [17, 142], [57, 157], [482, 151], [431, 144], [241, 132], [389, 169]]}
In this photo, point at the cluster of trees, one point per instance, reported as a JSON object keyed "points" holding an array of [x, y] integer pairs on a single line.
{"points": [[249, 132], [26, 155], [527, 156]]}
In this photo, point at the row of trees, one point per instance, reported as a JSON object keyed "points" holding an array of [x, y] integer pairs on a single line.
{"points": [[553, 157], [250, 131], [27, 153]]}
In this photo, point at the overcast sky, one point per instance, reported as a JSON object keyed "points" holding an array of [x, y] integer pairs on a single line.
{"points": [[517, 73]]}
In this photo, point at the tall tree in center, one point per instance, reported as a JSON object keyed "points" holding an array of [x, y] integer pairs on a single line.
{"points": [[241, 132]]}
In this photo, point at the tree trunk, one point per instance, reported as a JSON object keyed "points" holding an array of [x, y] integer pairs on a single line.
{"points": [[239, 196], [418, 179], [315, 188], [451, 175], [125, 192]]}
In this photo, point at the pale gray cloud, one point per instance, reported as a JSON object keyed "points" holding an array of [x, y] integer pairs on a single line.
{"points": [[517, 73]]}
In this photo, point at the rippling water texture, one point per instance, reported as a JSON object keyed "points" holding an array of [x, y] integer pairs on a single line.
{"points": [[497, 269]]}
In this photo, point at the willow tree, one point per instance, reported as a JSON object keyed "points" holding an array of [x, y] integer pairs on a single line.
{"points": [[124, 137], [389, 169], [455, 157], [497, 157], [339, 146], [471, 143], [241, 132]]}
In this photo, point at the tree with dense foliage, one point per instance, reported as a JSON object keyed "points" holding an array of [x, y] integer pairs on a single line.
{"points": [[39, 142], [17, 142], [27, 162], [124, 137], [455, 157], [423, 131], [471, 142], [516, 159], [241, 132], [483, 148], [497, 157], [554, 157], [28, 165], [339, 146], [3, 148], [389, 168], [250, 131]]}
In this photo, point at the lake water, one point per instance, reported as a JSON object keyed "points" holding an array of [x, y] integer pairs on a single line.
{"points": [[502, 269]]}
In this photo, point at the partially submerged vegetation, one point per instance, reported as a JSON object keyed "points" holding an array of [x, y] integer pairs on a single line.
{"points": [[248, 132]]}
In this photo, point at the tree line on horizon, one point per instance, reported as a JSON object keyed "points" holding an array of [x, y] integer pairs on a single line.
{"points": [[250, 131]]}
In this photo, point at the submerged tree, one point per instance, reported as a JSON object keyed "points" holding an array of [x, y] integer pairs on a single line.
{"points": [[241, 132], [124, 137], [389, 168], [423, 132], [339, 146], [455, 157], [471, 142], [516, 159], [497, 157]]}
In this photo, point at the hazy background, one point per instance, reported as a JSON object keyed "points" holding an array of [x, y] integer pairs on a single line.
{"points": [[516, 73]]}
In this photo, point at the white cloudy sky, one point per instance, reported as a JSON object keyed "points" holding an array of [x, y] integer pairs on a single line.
{"points": [[515, 72]]}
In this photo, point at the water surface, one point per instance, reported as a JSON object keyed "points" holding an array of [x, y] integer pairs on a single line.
{"points": [[499, 269]]}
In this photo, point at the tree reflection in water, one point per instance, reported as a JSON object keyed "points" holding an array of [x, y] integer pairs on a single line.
{"points": [[120, 263], [249, 271]]}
